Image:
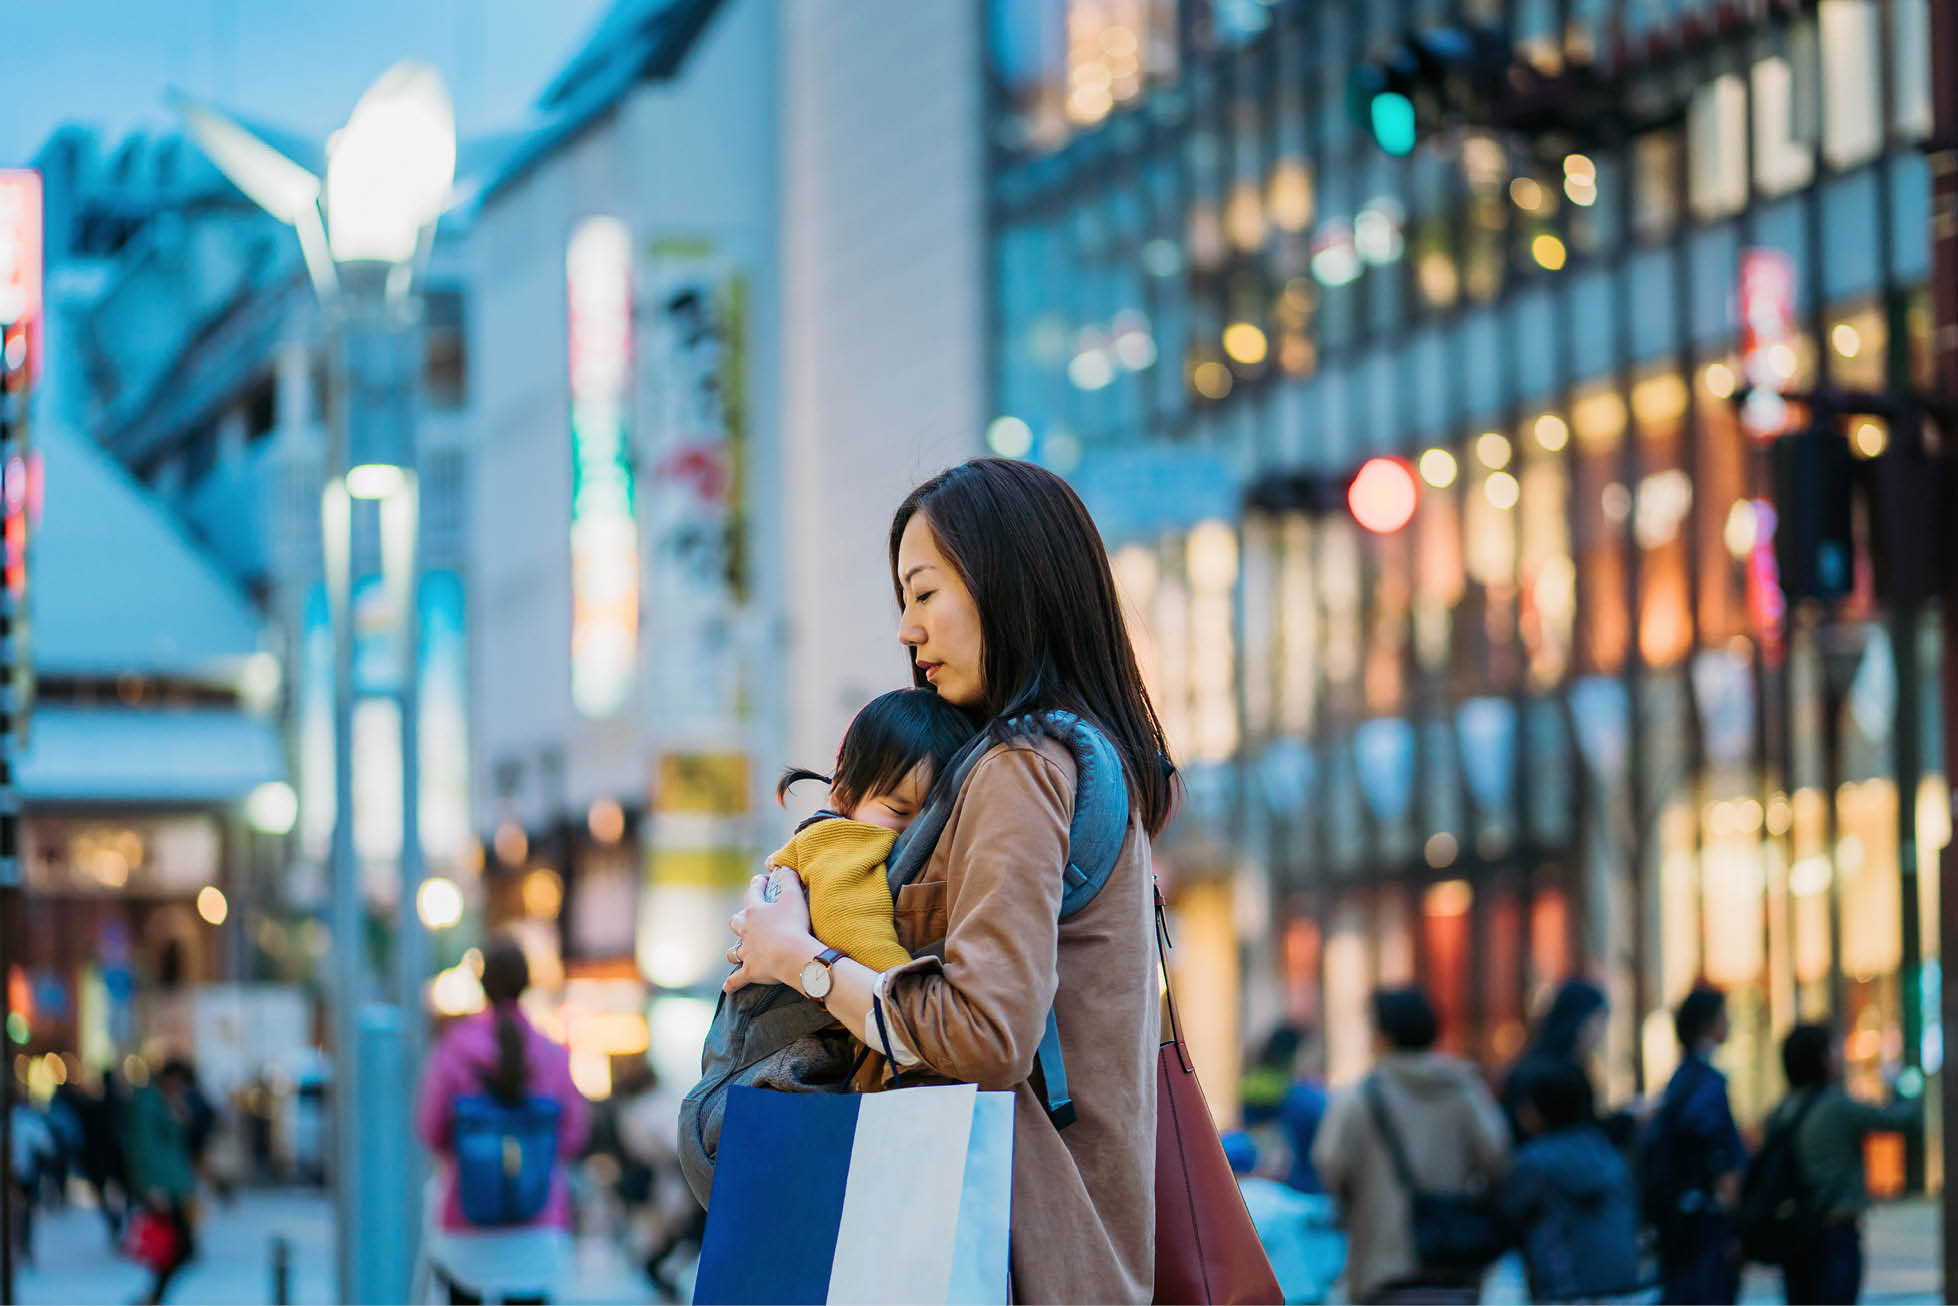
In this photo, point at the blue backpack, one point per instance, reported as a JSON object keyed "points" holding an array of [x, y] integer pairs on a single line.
{"points": [[505, 1156]]}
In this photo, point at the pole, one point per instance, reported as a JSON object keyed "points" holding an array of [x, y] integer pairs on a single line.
{"points": [[336, 511], [11, 420], [1942, 155]]}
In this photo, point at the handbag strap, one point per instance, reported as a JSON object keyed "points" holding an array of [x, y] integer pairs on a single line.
{"points": [[1163, 945], [1377, 1108]]}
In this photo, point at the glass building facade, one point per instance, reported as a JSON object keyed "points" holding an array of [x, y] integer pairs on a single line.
{"points": [[1564, 720]]}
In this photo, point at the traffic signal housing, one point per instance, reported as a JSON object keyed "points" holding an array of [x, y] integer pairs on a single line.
{"points": [[1427, 78]]}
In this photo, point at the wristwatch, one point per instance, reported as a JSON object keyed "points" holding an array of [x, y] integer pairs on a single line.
{"points": [[817, 977]]}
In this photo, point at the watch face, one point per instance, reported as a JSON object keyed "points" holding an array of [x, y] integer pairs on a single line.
{"points": [[816, 979]]}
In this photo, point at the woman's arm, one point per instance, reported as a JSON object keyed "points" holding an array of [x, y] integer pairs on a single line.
{"points": [[978, 1015]]}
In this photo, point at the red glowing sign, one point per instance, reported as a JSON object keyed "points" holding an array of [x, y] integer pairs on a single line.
{"points": [[1767, 339], [20, 268], [1383, 495]]}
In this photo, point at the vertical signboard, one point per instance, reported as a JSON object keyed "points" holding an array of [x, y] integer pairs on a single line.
{"points": [[697, 438], [604, 531], [1767, 339]]}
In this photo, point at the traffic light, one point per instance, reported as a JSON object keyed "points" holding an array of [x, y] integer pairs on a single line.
{"points": [[1380, 494], [1427, 78], [1815, 544]]}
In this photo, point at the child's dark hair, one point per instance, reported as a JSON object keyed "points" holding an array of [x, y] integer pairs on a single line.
{"points": [[1561, 1093], [891, 735]]}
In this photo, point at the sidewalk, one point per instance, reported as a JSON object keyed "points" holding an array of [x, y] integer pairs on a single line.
{"points": [[1900, 1252], [74, 1262]]}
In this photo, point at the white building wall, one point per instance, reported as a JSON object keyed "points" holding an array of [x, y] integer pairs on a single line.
{"points": [[692, 158], [882, 225]]}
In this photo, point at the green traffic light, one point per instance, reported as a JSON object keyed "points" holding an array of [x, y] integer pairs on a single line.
{"points": [[1393, 122]]}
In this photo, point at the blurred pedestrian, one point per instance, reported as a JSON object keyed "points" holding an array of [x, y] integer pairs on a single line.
{"points": [[1282, 1107], [1570, 1196], [673, 1221], [34, 1149], [504, 1226], [1433, 1112], [161, 1176], [1299, 1231], [103, 1161], [1824, 1261], [1569, 1034], [1690, 1164]]}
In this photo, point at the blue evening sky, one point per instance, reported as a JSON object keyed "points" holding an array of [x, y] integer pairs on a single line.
{"points": [[296, 63]]}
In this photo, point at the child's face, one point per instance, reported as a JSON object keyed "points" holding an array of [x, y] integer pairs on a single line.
{"points": [[895, 808]]}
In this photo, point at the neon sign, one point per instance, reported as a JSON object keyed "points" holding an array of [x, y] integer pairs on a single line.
{"points": [[604, 531]]}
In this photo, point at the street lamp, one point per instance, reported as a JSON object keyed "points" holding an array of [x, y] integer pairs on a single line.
{"points": [[364, 230]]}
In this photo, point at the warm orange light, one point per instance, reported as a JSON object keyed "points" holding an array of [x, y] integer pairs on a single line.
{"points": [[1383, 495]]}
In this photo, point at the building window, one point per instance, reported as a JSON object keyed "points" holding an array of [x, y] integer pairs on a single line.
{"points": [[1783, 159], [1716, 129], [445, 351], [1852, 106], [1910, 67], [1655, 191]]}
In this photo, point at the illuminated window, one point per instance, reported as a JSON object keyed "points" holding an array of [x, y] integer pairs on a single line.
{"points": [[1716, 133], [1852, 124], [1655, 190], [1910, 67], [1783, 158]]}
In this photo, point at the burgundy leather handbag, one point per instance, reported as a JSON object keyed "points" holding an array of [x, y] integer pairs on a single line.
{"points": [[1207, 1251]]}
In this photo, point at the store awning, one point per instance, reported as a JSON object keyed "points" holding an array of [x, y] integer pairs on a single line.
{"points": [[117, 754]]}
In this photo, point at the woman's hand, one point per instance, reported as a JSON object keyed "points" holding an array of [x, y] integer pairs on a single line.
{"points": [[772, 941]]}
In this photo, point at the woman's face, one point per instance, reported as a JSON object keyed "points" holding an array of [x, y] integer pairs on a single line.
{"points": [[940, 622]]}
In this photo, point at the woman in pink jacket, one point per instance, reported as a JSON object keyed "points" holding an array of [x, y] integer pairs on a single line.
{"points": [[497, 1054]]}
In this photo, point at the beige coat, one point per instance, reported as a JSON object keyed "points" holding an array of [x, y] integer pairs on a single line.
{"points": [[1454, 1136], [985, 907]]}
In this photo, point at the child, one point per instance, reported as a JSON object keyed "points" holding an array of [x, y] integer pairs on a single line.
{"points": [[899, 743], [1570, 1195]]}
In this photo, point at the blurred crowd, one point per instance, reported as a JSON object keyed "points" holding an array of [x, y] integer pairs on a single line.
{"points": [[1415, 1181]]}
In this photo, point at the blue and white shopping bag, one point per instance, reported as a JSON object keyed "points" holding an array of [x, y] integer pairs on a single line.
{"points": [[902, 1196]]}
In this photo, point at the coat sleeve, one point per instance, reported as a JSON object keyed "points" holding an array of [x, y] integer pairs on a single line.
{"points": [[1901, 1115], [978, 1015]]}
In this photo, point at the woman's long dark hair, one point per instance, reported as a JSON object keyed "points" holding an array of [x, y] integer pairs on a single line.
{"points": [[1049, 615], [888, 739], [506, 974]]}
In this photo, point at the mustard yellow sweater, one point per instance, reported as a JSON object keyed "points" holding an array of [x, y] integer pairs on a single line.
{"points": [[841, 862]]}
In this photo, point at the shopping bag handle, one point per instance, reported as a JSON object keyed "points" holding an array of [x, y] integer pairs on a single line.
{"points": [[884, 1037]]}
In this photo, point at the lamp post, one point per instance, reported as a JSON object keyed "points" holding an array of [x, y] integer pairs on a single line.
{"points": [[365, 229]]}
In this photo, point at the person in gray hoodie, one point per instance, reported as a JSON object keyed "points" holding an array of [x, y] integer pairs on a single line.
{"points": [[1449, 1128], [1570, 1196]]}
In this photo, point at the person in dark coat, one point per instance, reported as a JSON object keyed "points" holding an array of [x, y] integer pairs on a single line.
{"points": [[1696, 1161], [1830, 1127], [1570, 1196]]}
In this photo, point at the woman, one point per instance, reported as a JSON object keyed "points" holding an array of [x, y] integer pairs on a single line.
{"points": [[1829, 1130], [499, 1054], [161, 1176], [1568, 1035], [1008, 607]]}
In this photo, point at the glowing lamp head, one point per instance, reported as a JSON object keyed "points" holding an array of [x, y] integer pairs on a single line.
{"points": [[390, 170], [1383, 495]]}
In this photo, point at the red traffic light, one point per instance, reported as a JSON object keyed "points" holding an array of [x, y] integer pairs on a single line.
{"points": [[1383, 494]]}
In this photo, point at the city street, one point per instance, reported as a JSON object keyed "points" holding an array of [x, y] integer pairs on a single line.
{"points": [[73, 1262]]}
